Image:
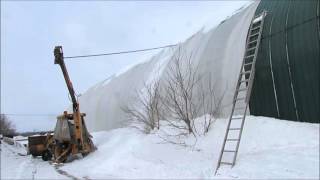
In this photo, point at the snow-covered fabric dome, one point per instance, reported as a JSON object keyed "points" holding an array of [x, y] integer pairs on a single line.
{"points": [[218, 51]]}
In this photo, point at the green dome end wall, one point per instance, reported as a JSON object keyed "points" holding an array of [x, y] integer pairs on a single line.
{"points": [[287, 78]]}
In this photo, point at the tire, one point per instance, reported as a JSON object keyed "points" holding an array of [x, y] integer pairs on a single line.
{"points": [[46, 155], [58, 151]]}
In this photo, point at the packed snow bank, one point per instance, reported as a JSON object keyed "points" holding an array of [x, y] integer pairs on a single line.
{"points": [[218, 52], [16, 166], [270, 148]]}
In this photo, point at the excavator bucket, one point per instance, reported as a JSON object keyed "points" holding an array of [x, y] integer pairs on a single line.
{"points": [[62, 131]]}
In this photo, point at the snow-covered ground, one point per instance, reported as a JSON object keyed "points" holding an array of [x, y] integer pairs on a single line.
{"points": [[270, 148], [15, 164]]}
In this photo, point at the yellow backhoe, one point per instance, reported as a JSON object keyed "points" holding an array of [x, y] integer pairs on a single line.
{"points": [[70, 137]]}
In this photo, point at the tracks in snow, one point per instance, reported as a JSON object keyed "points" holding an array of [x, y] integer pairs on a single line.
{"points": [[65, 173]]}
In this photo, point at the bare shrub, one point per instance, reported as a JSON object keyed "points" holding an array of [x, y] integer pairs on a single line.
{"points": [[189, 94], [180, 84], [6, 126], [144, 114], [210, 102], [183, 95]]}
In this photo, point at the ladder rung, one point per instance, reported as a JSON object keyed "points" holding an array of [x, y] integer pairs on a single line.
{"points": [[255, 28], [256, 21], [249, 56], [254, 41], [234, 128], [244, 80], [238, 99], [259, 15], [246, 72], [255, 34], [227, 163], [233, 139], [250, 49], [248, 64], [242, 89], [236, 117], [229, 151]]}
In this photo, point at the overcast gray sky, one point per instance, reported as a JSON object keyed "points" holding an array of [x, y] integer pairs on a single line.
{"points": [[32, 84]]}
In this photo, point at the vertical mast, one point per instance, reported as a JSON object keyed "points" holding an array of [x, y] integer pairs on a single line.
{"points": [[58, 54]]}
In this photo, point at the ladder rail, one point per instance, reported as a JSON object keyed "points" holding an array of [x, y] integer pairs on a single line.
{"points": [[239, 82], [249, 90], [233, 105], [239, 138], [264, 13]]}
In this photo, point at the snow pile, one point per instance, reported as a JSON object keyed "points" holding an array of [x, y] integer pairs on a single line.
{"points": [[270, 148], [17, 166], [17, 144], [218, 52]]}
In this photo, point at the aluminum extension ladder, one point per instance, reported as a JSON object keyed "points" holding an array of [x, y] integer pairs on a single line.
{"points": [[242, 94]]}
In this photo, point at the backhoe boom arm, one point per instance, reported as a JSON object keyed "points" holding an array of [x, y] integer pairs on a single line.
{"points": [[58, 54]]}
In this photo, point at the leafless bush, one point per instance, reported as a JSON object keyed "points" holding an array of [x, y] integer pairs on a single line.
{"points": [[145, 113], [189, 94], [183, 95], [210, 102], [6, 126], [180, 84]]}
